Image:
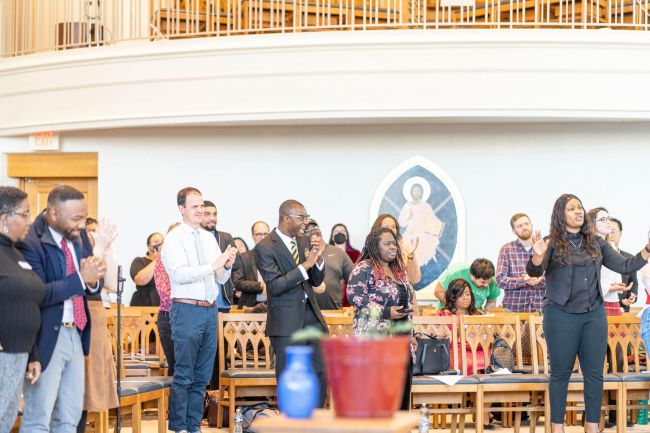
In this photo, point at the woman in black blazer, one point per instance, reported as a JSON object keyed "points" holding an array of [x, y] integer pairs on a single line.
{"points": [[574, 315], [21, 293]]}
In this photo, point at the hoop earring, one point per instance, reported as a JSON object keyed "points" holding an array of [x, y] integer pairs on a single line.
{"points": [[5, 230]]}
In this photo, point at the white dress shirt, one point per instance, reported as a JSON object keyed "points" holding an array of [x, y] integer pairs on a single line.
{"points": [[607, 277], [68, 312], [186, 275]]}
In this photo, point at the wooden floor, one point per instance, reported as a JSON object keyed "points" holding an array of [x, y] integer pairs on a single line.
{"points": [[151, 427]]}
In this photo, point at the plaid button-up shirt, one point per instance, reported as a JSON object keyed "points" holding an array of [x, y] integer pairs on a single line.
{"points": [[511, 267]]}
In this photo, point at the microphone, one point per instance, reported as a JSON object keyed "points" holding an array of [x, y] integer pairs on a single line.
{"points": [[120, 278]]}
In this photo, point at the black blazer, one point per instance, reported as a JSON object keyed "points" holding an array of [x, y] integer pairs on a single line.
{"points": [[224, 239], [286, 286], [627, 279], [558, 277], [48, 261], [244, 278]]}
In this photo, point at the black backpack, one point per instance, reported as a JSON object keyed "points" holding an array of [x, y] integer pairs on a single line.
{"points": [[251, 413], [432, 355], [501, 356]]}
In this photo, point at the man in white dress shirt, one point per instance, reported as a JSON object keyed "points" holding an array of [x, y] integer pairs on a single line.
{"points": [[196, 265]]}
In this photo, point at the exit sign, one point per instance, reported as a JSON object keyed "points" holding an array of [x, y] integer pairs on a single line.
{"points": [[44, 141]]}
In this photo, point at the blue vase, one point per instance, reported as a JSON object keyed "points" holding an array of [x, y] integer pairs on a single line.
{"points": [[298, 387]]}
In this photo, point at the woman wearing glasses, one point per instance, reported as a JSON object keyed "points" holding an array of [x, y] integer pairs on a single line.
{"points": [[611, 283], [575, 324], [21, 293]]}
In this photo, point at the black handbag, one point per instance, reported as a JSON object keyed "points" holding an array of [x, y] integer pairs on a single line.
{"points": [[431, 356]]}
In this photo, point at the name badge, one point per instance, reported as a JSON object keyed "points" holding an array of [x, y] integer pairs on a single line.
{"points": [[25, 265]]}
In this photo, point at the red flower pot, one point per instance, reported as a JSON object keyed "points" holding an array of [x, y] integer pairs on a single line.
{"points": [[366, 376]]}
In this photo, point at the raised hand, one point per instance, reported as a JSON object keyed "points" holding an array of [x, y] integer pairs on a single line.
{"points": [[105, 235], [312, 258], [92, 269], [540, 246]]}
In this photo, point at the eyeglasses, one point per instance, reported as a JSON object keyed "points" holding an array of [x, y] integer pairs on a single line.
{"points": [[603, 219], [25, 214], [260, 234], [300, 217]]}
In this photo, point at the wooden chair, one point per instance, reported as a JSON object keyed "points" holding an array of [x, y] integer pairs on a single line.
{"points": [[575, 391], [625, 333], [139, 393], [339, 326], [518, 389], [245, 363], [447, 400]]}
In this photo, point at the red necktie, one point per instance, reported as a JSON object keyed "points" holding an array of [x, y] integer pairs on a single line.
{"points": [[78, 308]]}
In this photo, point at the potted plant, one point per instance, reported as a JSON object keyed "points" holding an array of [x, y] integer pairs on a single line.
{"points": [[366, 372]]}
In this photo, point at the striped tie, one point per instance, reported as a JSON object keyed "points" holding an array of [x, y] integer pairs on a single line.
{"points": [[294, 252]]}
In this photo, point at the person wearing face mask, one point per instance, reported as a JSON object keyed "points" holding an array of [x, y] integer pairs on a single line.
{"points": [[340, 238], [21, 295], [337, 271], [575, 324]]}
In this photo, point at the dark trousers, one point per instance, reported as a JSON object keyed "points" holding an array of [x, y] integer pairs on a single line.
{"points": [[279, 343], [165, 333], [214, 380], [568, 335], [194, 333], [406, 398]]}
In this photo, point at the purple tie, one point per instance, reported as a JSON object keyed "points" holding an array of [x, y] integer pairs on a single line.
{"points": [[78, 308]]}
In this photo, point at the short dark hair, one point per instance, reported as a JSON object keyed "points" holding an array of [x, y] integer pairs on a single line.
{"points": [[62, 193], [617, 221], [91, 220], [482, 269], [256, 223], [208, 203], [243, 242], [515, 217], [181, 197], [10, 199], [288, 205]]}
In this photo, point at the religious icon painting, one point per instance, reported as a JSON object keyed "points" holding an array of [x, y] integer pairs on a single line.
{"points": [[431, 216]]}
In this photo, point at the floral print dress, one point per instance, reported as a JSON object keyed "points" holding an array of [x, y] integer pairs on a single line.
{"points": [[365, 292]]}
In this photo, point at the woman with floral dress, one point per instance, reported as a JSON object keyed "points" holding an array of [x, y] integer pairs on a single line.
{"points": [[379, 281]]}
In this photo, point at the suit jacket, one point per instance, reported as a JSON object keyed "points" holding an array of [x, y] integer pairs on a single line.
{"points": [[224, 239], [627, 279], [244, 278], [48, 261], [286, 286]]}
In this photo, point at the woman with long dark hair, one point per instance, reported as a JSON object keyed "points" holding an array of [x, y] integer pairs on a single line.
{"points": [[379, 281], [574, 316], [410, 261]]}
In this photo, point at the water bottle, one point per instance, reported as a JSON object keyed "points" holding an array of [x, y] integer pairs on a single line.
{"points": [[239, 422], [643, 413], [423, 425]]}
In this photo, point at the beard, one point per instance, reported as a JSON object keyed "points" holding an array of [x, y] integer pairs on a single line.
{"points": [[525, 235]]}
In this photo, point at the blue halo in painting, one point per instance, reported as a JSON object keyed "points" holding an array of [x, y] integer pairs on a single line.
{"points": [[428, 217]]}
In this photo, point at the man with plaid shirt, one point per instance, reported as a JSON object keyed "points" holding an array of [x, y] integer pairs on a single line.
{"points": [[522, 292]]}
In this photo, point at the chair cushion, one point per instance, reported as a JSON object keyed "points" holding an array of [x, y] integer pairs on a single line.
{"points": [[141, 386], [428, 380], [634, 377], [253, 373], [163, 381], [512, 378], [136, 366], [578, 378]]}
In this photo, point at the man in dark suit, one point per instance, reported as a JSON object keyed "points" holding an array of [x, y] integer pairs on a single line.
{"points": [[245, 276], [626, 298], [59, 251], [224, 239], [291, 266]]}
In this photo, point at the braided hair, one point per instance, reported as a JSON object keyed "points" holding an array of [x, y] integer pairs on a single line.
{"points": [[371, 253]]}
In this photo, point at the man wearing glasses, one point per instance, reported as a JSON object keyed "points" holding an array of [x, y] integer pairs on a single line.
{"points": [[291, 266]]}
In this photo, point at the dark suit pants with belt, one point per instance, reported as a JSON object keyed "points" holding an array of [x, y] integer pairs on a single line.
{"points": [[194, 333], [279, 344]]}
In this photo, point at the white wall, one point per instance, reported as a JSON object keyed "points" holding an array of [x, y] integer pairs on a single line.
{"points": [[334, 170]]}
